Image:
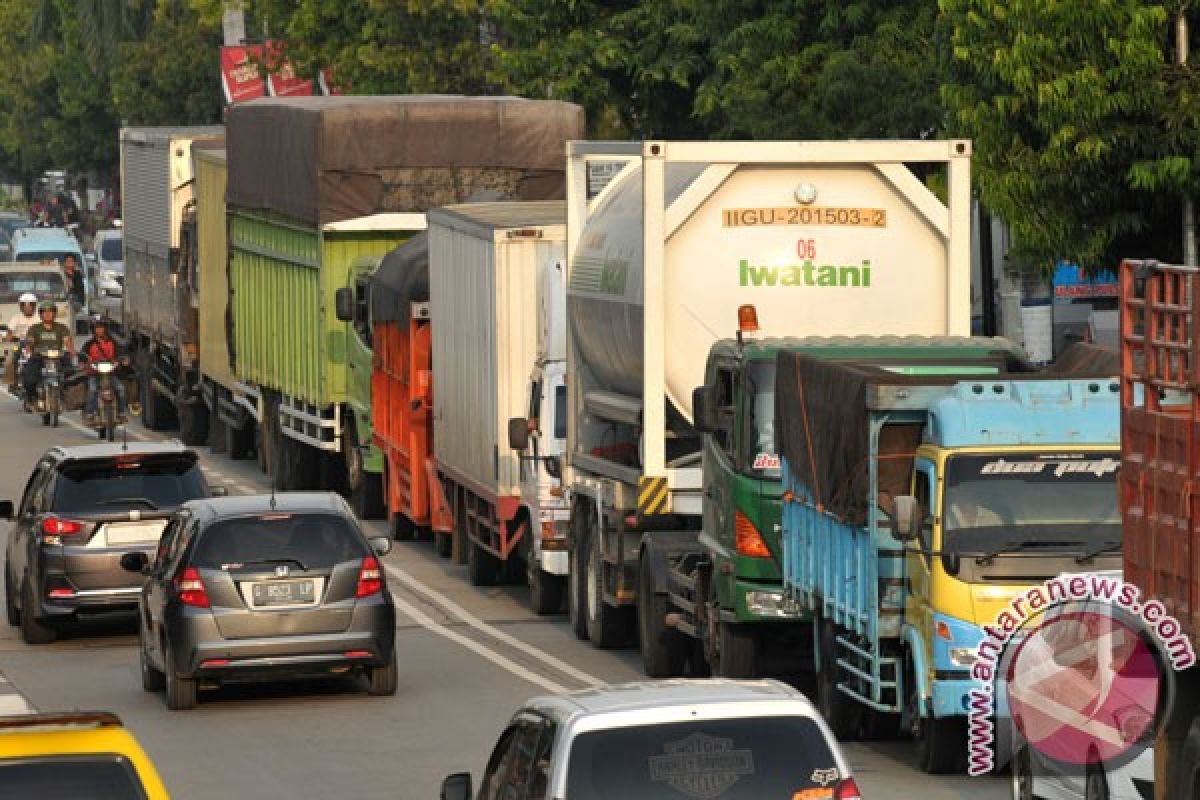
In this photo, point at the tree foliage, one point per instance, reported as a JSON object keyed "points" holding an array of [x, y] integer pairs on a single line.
{"points": [[1085, 133]]}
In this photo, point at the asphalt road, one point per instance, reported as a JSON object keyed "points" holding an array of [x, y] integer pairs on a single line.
{"points": [[468, 658]]}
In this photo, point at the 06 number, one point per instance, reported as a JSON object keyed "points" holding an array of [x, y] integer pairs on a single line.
{"points": [[806, 248]]}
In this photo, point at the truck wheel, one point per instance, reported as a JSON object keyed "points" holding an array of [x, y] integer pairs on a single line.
{"points": [[738, 649], [239, 442], [193, 424], [606, 626], [839, 710], [664, 649], [482, 566], [444, 544], [366, 488], [576, 602], [218, 433], [157, 412], [546, 591], [1185, 772], [941, 743]]}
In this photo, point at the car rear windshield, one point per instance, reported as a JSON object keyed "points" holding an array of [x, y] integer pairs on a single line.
{"points": [[84, 778], [119, 486], [110, 248], [316, 541], [46, 285], [46, 256], [750, 758]]}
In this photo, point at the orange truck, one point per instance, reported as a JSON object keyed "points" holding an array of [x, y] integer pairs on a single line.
{"points": [[402, 395], [1160, 501]]}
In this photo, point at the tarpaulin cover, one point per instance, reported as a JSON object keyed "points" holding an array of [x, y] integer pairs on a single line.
{"points": [[822, 425], [401, 280], [325, 159]]}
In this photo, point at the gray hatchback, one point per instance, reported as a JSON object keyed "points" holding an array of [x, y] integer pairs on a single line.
{"points": [[261, 587]]}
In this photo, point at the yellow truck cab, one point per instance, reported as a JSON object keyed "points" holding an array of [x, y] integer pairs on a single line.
{"points": [[74, 755]]}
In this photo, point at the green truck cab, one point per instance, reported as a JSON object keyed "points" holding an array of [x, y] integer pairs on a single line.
{"points": [[719, 591]]}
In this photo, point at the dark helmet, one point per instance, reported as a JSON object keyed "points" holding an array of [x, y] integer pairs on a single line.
{"points": [[100, 321], [48, 305]]}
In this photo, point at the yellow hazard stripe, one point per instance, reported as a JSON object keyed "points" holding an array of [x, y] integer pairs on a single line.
{"points": [[654, 496]]}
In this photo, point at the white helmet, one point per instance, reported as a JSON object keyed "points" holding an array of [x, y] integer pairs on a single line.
{"points": [[28, 297]]}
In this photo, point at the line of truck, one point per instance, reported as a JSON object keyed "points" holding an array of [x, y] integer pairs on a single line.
{"points": [[714, 399]]}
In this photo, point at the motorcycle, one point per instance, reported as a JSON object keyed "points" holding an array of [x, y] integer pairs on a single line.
{"points": [[109, 413], [50, 388]]}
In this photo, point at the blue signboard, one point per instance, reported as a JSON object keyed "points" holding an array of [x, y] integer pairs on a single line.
{"points": [[1070, 283]]}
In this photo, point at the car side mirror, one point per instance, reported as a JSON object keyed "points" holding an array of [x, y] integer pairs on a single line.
{"points": [[457, 786], [518, 433], [6, 509], [382, 545], [907, 518], [218, 491], [343, 304], [135, 562], [703, 414]]}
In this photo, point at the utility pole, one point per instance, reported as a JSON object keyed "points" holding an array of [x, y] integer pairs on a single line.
{"points": [[1189, 212]]}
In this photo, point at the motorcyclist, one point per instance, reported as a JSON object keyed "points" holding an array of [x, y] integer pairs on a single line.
{"points": [[24, 319], [49, 334], [101, 347]]}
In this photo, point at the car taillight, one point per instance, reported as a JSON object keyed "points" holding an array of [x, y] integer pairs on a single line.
{"points": [[847, 790], [54, 528], [191, 589], [370, 579], [749, 540]]}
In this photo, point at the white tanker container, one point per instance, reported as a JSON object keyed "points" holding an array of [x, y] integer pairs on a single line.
{"points": [[822, 238]]}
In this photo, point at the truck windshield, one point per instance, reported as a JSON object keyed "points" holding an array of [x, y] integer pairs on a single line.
{"points": [[757, 455], [47, 285], [755, 757], [1052, 501]]}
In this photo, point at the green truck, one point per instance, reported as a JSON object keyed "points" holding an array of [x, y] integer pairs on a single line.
{"points": [[318, 190]]}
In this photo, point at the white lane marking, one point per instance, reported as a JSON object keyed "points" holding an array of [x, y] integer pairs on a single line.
{"points": [[475, 622], [422, 619], [15, 704]]}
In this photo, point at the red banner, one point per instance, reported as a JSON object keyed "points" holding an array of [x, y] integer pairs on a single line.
{"points": [[240, 78], [282, 80]]}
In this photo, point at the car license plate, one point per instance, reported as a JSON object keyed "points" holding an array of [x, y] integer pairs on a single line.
{"points": [[133, 532], [283, 593]]}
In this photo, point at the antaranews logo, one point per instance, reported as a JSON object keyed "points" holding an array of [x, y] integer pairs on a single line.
{"points": [[1084, 669]]}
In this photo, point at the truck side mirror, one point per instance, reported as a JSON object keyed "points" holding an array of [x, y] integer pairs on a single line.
{"points": [[343, 304], [518, 433], [907, 518], [703, 413], [6, 509]]}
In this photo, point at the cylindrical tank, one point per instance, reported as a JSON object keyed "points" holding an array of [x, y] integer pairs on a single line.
{"points": [[870, 264]]}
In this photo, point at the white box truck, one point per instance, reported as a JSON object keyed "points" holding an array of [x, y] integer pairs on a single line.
{"points": [[487, 268], [690, 238]]}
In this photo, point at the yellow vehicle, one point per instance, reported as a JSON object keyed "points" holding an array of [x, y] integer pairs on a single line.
{"points": [[74, 755]]}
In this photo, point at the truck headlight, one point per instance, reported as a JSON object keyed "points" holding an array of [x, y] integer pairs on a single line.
{"points": [[963, 656], [768, 604]]}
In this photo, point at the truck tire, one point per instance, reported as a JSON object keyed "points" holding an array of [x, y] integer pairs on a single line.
{"points": [[303, 465], [193, 424], [218, 435], [366, 488], [843, 715], [157, 412], [941, 743], [1185, 771], [482, 567], [606, 626], [239, 442], [664, 649], [546, 591], [576, 595]]}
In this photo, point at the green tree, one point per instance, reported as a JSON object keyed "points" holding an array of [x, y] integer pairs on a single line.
{"points": [[1084, 131]]}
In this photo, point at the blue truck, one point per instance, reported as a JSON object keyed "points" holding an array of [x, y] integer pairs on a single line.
{"points": [[916, 507]]}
